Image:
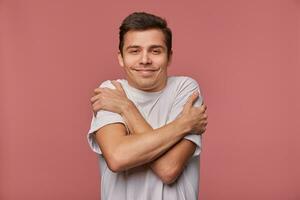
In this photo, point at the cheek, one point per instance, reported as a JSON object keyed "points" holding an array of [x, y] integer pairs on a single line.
{"points": [[163, 64], [131, 61], [162, 60]]}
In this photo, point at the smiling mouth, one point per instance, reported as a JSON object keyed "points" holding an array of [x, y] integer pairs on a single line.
{"points": [[146, 72], [151, 70]]}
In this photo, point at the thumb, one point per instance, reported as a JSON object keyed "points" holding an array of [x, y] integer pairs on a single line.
{"points": [[118, 86], [192, 98]]}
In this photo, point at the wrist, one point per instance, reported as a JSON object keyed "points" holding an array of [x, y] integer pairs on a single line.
{"points": [[127, 107], [183, 125]]}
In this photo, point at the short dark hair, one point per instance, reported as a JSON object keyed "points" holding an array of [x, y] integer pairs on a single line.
{"points": [[145, 21]]}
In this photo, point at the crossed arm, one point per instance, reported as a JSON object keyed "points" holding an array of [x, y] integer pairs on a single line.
{"points": [[163, 149]]}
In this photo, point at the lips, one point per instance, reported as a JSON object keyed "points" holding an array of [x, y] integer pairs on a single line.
{"points": [[151, 70], [145, 72]]}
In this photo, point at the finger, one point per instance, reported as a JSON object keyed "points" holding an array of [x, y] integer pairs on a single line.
{"points": [[118, 86], [115, 84], [205, 123], [95, 98], [96, 106], [110, 93], [97, 90], [105, 91], [192, 98], [203, 108], [203, 130]]}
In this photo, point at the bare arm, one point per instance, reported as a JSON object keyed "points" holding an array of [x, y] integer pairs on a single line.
{"points": [[123, 151], [169, 166]]}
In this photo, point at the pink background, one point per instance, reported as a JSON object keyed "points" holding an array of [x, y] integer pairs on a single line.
{"points": [[245, 55]]}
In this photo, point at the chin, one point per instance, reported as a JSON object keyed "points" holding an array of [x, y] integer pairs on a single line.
{"points": [[146, 85]]}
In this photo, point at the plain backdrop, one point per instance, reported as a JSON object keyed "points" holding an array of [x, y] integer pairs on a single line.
{"points": [[244, 54]]}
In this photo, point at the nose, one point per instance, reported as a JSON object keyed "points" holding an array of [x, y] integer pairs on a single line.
{"points": [[145, 59]]}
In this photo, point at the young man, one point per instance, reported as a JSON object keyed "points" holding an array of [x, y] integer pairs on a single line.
{"points": [[147, 128]]}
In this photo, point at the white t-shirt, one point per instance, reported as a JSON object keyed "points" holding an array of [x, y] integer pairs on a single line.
{"points": [[158, 109]]}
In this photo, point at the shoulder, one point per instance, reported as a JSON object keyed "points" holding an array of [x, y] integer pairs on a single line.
{"points": [[182, 88], [183, 83], [108, 84]]}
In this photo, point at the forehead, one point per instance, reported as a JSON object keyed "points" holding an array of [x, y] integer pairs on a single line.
{"points": [[144, 38]]}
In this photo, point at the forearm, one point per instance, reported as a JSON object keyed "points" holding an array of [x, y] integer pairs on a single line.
{"points": [[134, 120], [137, 149], [138, 125], [143, 144]]}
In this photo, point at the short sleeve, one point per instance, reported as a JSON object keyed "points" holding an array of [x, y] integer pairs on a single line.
{"points": [[101, 119], [186, 87]]}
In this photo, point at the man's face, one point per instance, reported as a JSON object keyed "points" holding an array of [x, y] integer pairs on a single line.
{"points": [[145, 59]]}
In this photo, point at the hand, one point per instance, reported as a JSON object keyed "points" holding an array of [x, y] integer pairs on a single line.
{"points": [[114, 100], [195, 117]]}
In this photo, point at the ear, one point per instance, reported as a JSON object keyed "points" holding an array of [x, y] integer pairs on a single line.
{"points": [[120, 59]]}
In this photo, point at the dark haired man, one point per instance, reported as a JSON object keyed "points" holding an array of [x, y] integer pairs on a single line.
{"points": [[147, 128]]}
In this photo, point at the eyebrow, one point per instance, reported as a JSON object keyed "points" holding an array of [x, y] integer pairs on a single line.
{"points": [[132, 46], [156, 46], [151, 47]]}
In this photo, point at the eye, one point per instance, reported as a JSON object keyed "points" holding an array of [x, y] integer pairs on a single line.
{"points": [[156, 51], [134, 51]]}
